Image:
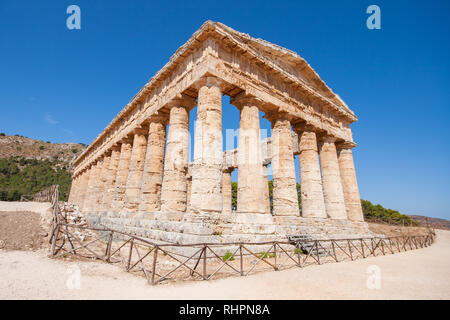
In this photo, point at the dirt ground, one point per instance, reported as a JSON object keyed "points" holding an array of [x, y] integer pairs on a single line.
{"points": [[416, 274], [21, 231], [393, 230]]}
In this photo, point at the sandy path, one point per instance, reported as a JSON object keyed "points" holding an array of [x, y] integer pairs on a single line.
{"points": [[418, 274]]}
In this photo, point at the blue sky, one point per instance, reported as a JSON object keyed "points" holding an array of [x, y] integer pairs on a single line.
{"points": [[66, 85]]}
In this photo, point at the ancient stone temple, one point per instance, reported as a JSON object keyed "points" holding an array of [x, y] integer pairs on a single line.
{"points": [[136, 175]]}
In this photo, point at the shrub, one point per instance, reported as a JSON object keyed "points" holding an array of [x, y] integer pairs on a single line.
{"points": [[296, 251], [264, 255], [379, 213], [228, 256], [41, 148]]}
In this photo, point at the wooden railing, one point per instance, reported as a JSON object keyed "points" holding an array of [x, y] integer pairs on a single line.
{"points": [[204, 261]]}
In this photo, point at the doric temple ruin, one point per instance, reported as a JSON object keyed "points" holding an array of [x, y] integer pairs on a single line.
{"points": [[136, 176]]}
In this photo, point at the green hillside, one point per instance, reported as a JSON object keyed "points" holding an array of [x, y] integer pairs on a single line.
{"points": [[24, 177]]}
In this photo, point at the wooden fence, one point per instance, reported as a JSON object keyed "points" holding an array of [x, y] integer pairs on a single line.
{"points": [[160, 262], [204, 261]]}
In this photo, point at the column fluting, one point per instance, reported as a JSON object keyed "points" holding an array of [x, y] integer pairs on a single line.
{"points": [[331, 179], [349, 181], [111, 179], [135, 171], [153, 167], [313, 203], [174, 185], [250, 169], [122, 175], [102, 183], [285, 199], [206, 194]]}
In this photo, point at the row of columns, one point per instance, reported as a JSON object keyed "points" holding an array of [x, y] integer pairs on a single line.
{"points": [[138, 174]]}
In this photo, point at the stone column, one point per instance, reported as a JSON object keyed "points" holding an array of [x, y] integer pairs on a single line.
{"points": [[349, 182], [110, 179], [174, 186], [250, 172], [331, 179], [92, 186], [122, 175], [98, 205], [266, 189], [313, 204], [135, 171], [77, 189], [206, 195], [285, 200], [98, 185], [153, 168], [226, 191], [73, 189], [83, 189]]}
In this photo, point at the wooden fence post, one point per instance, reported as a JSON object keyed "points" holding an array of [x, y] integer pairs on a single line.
{"points": [[242, 261], [155, 256]]}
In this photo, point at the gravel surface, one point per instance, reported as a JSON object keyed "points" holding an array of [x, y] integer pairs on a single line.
{"points": [[417, 274]]}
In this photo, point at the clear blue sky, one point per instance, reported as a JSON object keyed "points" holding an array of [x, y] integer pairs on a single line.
{"points": [[66, 85]]}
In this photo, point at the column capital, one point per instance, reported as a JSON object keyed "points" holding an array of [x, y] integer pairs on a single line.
{"points": [[182, 100], [300, 127], [278, 115], [159, 117], [325, 137], [345, 145], [245, 99], [140, 130], [210, 81], [126, 139], [114, 147]]}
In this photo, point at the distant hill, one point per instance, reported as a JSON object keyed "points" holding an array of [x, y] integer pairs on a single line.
{"points": [[28, 166], [436, 223], [19, 146]]}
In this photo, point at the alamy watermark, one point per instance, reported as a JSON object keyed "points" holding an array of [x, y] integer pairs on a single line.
{"points": [[373, 282], [74, 20], [73, 281], [374, 20]]}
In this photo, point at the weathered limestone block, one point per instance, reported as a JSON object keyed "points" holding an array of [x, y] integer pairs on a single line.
{"points": [[206, 194], [331, 179], [349, 182], [226, 191], [285, 200], [153, 167], [174, 186], [122, 175], [313, 204], [102, 184], [110, 180], [250, 172], [135, 171]]}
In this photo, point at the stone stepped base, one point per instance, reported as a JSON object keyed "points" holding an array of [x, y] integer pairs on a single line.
{"points": [[178, 228]]}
